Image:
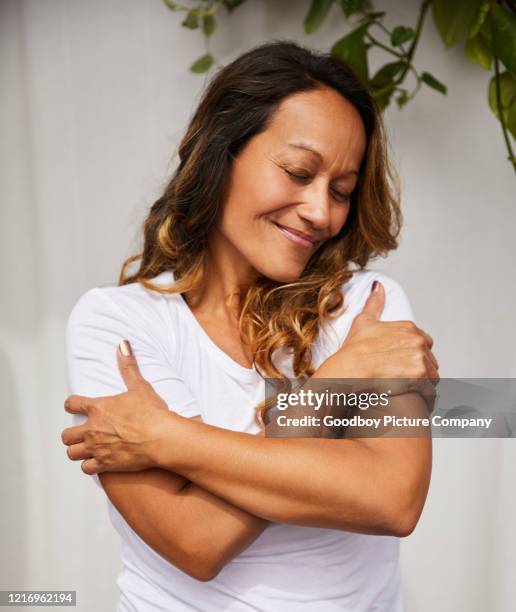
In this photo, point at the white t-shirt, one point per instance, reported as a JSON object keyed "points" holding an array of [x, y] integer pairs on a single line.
{"points": [[288, 567]]}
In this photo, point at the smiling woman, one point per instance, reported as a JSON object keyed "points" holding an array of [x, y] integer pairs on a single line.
{"points": [[282, 195], [318, 178]]}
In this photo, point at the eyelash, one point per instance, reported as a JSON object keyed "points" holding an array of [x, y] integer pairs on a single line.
{"points": [[343, 197]]}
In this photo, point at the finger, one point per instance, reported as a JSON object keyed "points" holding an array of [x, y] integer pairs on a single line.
{"points": [[432, 358], [78, 451], [91, 466], [428, 339], [74, 435], [375, 301], [431, 372], [78, 404], [128, 365]]}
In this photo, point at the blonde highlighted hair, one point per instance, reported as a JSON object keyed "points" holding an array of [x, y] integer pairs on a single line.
{"points": [[238, 104]]}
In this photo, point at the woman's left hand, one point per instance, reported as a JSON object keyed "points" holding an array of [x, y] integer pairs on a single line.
{"points": [[121, 431]]}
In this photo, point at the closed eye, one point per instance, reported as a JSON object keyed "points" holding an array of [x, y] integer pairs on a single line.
{"points": [[300, 177], [341, 197]]}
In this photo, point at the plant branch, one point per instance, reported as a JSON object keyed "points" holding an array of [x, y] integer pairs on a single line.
{"points": [[176, 7], [419, 26], [384, 47], [213, 8], [199, 11], [389, 33], [512, 159], [382, 27]]}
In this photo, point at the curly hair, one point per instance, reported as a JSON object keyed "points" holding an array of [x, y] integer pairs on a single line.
{"points": [[238, 104]]}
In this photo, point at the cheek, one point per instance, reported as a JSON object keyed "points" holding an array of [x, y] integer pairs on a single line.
{"points": [[339, 218], [268, 193], [258, 192], [247, 209]]}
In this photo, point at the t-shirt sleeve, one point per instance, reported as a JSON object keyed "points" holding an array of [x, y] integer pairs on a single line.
{"points": [[96, 326], [397, 306]]}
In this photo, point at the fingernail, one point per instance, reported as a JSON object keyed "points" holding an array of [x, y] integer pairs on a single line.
{"points": [[125, 348], [375, 286]]}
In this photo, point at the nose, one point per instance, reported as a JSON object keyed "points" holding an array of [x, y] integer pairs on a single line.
{"points": [[315, 208]]}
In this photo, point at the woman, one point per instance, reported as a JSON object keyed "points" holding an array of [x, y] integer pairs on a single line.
{"points": [[281, 197]]}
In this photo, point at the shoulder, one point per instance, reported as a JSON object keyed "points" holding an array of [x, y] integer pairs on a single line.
{"points": [[121, 311], [356, 291], [126, 302], [362, 281]]}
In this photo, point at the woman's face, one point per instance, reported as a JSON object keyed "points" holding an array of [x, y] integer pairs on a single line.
{"points": [[290, 186]]}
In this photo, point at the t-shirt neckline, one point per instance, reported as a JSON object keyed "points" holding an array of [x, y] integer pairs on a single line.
{"points": [[229, 362]]}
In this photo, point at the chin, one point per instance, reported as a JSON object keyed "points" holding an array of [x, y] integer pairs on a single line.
{"points": [[283, 276]]}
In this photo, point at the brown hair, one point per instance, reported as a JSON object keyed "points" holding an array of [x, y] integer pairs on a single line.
{"points": [[238, 104]]}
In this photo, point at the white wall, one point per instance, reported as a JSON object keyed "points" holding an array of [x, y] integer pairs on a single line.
{"points": [[95, 97]]}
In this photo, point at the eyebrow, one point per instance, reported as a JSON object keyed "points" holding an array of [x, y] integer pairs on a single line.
{"points": [[307, 147]]}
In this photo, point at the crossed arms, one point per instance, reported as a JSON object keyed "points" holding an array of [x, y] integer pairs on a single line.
{"points": [[190, 527], [230, 485]]}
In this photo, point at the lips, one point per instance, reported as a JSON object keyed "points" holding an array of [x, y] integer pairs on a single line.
{"points": [[296, 236]]}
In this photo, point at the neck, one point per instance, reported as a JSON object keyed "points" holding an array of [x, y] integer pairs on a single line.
{"points": [[227, 276]]}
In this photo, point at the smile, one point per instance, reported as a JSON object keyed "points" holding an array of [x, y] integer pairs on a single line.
{"points": [[295, 238]]}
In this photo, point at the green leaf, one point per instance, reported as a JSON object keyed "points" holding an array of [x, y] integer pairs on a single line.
{"points": [[453, 18], [402, 99], [351, 49], [231, 5], [383, 96], [208, 25], [432, 82], [504, 35], [479, 19], [486, 32], [203, 64], [386, 75], [508, 99], [170, 5], [191, 21], [478, 49], [400, 35], [316, 15], [382, 85], [351, 7]]}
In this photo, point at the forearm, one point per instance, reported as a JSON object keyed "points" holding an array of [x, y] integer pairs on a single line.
{"points": [[187, 525], [190, 527], [224, 530], [343, 484], [220, 531]]}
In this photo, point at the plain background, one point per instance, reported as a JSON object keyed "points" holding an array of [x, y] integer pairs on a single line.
{"points": [[95, 97]]}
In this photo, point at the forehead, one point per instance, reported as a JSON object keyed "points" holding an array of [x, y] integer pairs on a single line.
{"points": [[323, 119]]}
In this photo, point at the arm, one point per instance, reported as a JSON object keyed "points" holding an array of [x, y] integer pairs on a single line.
{"points": [[160, 505], [369, 485], [373, 486], [191, 528]]}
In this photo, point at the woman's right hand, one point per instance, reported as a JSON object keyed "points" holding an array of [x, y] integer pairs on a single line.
{"points": [[395, 350]]}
